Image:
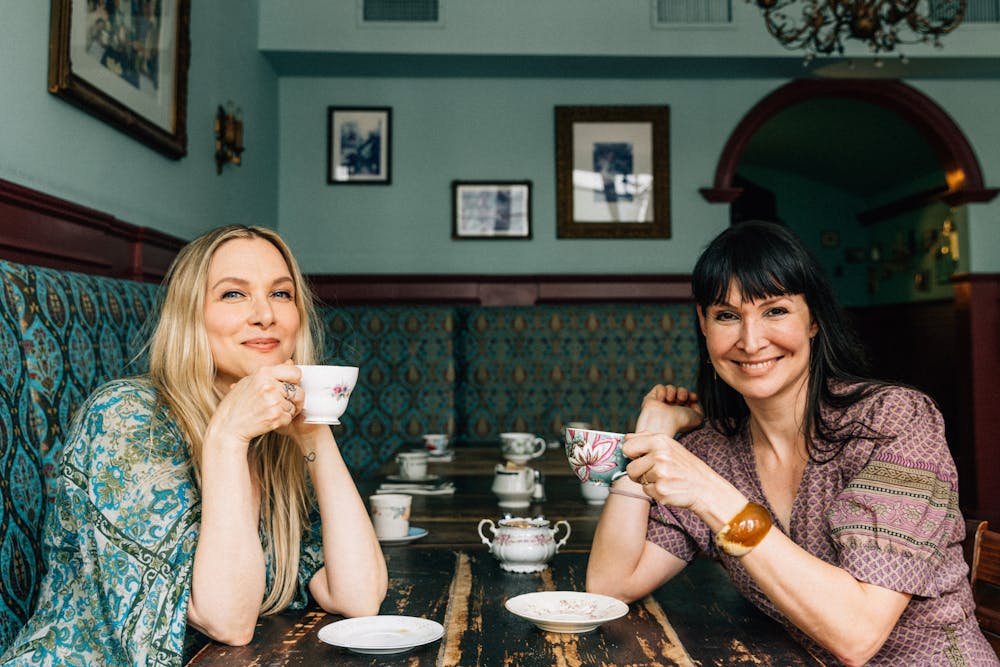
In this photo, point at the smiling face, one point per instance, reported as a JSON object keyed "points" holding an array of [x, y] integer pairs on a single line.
{"points": [[760, 348], [250, 313]]}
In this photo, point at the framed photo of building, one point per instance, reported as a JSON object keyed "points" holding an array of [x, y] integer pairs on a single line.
{"points": [[359, 145], [127, 64], [491, 209], [612, 172]]}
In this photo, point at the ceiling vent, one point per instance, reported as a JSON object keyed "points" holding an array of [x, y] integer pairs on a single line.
{"points": [[400, 11], [681, 13]]}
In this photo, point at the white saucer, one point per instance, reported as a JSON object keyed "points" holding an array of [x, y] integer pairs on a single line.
{"points": [[566, 611], [414, 534], [380, 635], [426, 479]]}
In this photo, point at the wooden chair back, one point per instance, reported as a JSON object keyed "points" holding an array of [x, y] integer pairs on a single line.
{"points": [[985, 577]]}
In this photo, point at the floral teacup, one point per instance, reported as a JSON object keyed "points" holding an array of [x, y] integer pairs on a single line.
{"points": [[328, 388], [595, 456]]}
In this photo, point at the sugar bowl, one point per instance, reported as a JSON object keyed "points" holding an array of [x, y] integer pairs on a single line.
{"points": [[522, 544]]}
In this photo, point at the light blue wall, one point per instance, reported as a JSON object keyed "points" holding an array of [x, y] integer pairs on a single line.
{"points": [[473, 98], [553, 27], [52, 146], [475, 129]]}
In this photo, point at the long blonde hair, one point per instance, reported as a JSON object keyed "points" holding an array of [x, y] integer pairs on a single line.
{"points": [[183, 371]]}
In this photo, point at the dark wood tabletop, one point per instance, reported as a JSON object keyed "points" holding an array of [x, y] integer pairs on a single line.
{"points": [[450, 576], [696, 619]]}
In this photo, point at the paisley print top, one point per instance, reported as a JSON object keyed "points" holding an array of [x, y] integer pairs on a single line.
{"points": [[885, 510], [119, 540]]}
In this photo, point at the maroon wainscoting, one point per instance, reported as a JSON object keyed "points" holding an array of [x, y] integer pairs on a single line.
{"points": [[36, 228], [512, 290]]}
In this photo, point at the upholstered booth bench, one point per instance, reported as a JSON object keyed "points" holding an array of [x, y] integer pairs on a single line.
{"points": [[469, 370]]}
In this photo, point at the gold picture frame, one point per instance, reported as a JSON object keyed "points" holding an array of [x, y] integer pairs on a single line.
{"points": [[612, 171], [127, 68]]}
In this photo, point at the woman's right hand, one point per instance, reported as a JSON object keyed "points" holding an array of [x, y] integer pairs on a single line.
{"points": [[258, 403], [670, 410]]}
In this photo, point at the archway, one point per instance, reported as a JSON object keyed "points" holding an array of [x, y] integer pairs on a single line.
{"points": [[958, 160]]}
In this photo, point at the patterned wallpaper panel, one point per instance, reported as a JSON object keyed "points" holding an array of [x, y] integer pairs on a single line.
{"points": [[406, 382], [534, 368]]}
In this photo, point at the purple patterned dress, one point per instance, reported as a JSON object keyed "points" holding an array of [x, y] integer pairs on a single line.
{"points": [[884, 510]]}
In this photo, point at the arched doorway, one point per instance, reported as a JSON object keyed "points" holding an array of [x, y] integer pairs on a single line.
{"points": [[906, 337], [958, 160]]}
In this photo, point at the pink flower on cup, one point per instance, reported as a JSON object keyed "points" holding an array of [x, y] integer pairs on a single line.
{"points": [[597, 457], [340, 391]]}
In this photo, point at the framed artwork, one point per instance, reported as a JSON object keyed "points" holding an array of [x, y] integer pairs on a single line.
{"points": [[491, 209], [358, 145], [612, 172], [127, 64]]}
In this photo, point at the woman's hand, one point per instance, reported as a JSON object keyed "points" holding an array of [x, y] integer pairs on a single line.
{"points": [[269, 399], [670, 410], [672, 475]]}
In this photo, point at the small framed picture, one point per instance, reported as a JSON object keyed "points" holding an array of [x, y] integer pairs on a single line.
{"points": [[491, 209], [358, 146], [613, 172]]}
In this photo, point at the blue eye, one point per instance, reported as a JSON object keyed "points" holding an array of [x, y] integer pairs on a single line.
{"points": [[283, 294], [231, 294]]}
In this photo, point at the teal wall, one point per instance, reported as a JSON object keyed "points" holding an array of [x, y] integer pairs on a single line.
{"points": [[472, 99], [52, 146]]}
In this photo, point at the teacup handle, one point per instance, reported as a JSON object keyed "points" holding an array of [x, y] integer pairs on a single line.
{"points": [[493, 529], [565, 537], [540, 446]]}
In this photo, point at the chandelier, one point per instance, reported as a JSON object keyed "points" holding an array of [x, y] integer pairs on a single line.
{"points": [[821, 26]]}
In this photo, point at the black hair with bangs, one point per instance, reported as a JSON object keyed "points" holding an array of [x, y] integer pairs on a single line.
{"points": [[766, 259]]}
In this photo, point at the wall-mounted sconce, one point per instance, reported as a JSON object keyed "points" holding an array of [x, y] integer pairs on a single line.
{"points": [[228, 136]]}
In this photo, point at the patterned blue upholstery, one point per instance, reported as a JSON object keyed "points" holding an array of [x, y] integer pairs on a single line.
{"points": [[62, 335], [406, 383], [534, 368]]}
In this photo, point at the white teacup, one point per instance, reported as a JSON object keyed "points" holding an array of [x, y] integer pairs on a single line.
{"points": [[521, 447], [594, 494], [327, 389], [412, 465], [436, 443], [391, 514]]}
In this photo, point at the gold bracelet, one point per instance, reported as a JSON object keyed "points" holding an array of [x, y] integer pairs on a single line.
{"points": [[744, 531]]}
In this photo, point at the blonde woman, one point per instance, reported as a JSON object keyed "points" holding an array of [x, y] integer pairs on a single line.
{"points": [[197, 497]]}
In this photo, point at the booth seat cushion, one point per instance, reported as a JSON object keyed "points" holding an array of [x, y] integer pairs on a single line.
{"points": [[62, 335], [406, 385], [20, 479], [534, 368]]}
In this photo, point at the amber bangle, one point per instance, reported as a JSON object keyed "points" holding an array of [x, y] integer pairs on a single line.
{"points": [[744, 531], [639, 496]]}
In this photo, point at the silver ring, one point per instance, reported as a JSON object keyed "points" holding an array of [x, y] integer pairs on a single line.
{"points": [[289, 390]]}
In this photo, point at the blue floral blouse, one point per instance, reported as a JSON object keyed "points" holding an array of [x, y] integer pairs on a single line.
{"points": [[119, 540]]}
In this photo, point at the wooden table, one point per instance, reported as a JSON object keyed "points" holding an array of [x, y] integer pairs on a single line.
{"points": [[449, 576], [696, 619]]}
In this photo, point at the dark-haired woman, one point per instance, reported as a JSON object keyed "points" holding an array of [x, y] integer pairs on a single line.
{"points": [[831, 499]]}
